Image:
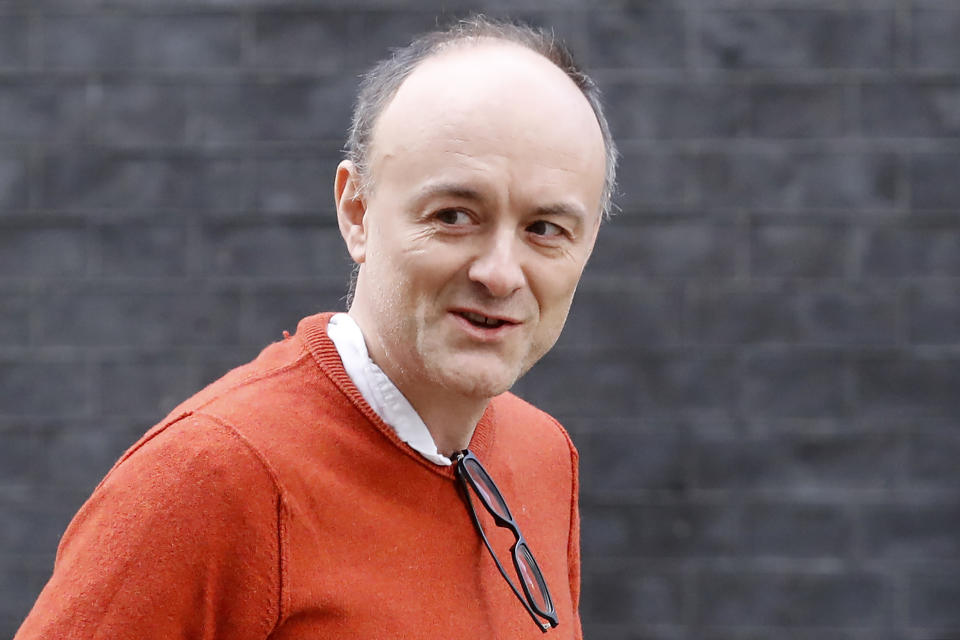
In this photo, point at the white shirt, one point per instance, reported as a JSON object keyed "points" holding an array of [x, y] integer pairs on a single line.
{"points": [[379, 391]]}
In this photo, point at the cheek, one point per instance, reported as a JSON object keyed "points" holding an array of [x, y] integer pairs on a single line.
{"points": [[553, 290], [431, 268]]}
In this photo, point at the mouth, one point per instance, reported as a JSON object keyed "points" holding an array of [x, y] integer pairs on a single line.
{"points": [[482, 321]]}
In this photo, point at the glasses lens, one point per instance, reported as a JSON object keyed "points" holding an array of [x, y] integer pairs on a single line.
{"points": [[487, 490], [536, 585]]}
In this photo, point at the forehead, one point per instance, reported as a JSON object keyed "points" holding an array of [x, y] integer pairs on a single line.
{"points": [[490, 102]]}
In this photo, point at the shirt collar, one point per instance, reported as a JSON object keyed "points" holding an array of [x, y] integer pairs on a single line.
{"points": [[379, 391]]}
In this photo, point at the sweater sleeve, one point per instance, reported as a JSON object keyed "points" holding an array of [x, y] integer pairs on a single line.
{"points": [[180, 540]]}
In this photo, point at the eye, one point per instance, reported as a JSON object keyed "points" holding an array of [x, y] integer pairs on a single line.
{"points": [[546, 229], [455, 217]]}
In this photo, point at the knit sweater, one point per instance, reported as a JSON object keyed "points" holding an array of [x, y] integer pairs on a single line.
{"points": [[275, 503]]}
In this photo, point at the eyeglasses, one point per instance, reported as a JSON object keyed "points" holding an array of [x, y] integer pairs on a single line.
{"points": [[536, 596]]}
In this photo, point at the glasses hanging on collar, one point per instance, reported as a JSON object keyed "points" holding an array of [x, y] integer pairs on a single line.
{"points": [[535, 596]]}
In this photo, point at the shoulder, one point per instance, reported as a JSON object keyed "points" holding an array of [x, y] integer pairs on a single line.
{"points": [[190, 462]]}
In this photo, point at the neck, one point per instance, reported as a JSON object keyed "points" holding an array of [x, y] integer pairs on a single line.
{"points": [[450, 417], [451, 421]]}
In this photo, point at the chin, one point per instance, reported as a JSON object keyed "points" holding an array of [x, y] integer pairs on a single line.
{"points": [[476, 380]]}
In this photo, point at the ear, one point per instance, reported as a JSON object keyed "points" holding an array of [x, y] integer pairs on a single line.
{"points": [[351, 209]]}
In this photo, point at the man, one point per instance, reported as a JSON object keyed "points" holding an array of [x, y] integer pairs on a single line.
{"points": [[354, 480]]}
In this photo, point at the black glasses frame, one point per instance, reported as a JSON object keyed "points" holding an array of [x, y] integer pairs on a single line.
{"points": [[506, 520]]}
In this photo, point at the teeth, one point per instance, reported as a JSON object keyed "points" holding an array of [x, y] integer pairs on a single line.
{"points": [[479, 319]]}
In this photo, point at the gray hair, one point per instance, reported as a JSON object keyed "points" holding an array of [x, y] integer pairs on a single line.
{"points": [[381, 83]]}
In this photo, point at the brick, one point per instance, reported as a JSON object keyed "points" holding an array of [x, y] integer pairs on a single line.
{"points": [[298, 110], [795, 384], [674, 110], [749, 313], [630, 383], [852, 314], [41, 252], [637, 37], [795, 250], [932, 459], [314, 41], [933, 314], [654, 179], [904, 251], [244, 110], [223, 112], [782, 110], [14, 318], [933, 602], [912, 531], [630, 461], [799, 462], [905, 383], [142, 113], [146, 386], [100, 179], [683, 248], [142, 250], [274, 250], [21, 457], [649, 316], [659, 531], [796, 39], [14, 179], [934, 42], [297, 185], [932, 183], [227, 184], [32, 110], [740, 314], [686, 382], [43, 388], [129, 41], [31, 528], [14, 42], [791, 599], [774, 177], [914, 109], [790, 530], [88, 42], [633, 595], [608, 389], [130, 317]]}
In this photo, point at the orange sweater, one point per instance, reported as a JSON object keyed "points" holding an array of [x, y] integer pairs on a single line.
{"points": [[276, 504]]}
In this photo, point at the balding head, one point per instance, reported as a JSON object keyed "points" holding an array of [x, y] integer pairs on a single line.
{"points": [[381, 84]]}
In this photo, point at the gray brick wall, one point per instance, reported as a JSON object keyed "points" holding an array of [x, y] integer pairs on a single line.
{"points": [[761, 368]]}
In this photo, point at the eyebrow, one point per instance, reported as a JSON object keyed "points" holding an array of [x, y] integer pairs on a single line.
{"points": [[465, 192], [452, 189], [562, 209]]}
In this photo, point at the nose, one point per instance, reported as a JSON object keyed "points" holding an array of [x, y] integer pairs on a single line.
{"points": [[498, 268]]}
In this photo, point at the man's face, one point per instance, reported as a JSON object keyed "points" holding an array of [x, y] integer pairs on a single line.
{"points": [[487, 176]]}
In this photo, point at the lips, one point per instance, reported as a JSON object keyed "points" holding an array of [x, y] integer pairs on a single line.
{"points": [[483, 321]]}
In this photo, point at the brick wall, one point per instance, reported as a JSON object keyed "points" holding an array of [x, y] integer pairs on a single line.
{"points": [[762, 366]]}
